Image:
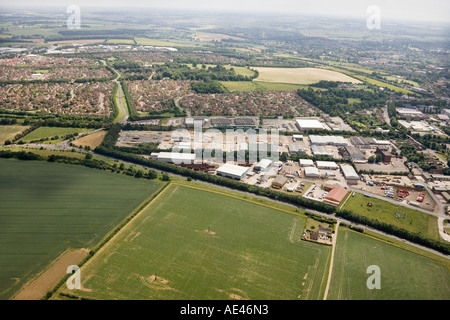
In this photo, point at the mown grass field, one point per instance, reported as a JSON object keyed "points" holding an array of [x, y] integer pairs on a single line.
{"points": [[51, 132], [301, 75], [249, 86], [196, 244], [162, 43], [46, 208], [404, 275], [9, 132], [396, 215], [92, 140]]}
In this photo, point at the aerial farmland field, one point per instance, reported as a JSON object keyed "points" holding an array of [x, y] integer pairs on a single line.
{"points": [[196, 244], [9, 132], [47, 208], [404, 274], [52, 132], [301, 75], [396, 215]]}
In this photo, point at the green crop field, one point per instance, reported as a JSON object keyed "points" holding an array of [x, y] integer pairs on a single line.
{"points": [[301, 75], [396, 215], [9, 132], [51, 132], [162, 43], [46, 208], [249, 86], [197, 244], [404, 275]]}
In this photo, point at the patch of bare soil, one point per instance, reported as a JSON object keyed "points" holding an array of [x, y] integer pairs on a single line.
{"points": [[38, 287]]}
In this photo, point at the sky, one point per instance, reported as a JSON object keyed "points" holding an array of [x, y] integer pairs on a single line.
{"points": [[431, 10]]}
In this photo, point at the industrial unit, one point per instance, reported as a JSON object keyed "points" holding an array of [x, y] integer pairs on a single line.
{"points": [[232, 171], [350, 174], [263, 165], [320, 151], [328, 141], [327, 165], [306, 163], [174, 157], [311, 172], [353, 153], [309, 124]]}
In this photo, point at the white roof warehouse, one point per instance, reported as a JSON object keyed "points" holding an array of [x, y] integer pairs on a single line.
{"points": [[349, 172], [232, 171]]}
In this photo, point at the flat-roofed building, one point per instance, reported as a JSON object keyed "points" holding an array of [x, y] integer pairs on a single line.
{"points": [[321, 151], [311, 172], [296, 149], [327, 140], [355, 153], [327, 165], [306, 163], [232, 171], [349, 173], [309, 124], [263, 165], [279, 182], [174, 157]]}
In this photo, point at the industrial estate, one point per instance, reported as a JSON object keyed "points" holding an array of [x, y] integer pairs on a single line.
{"points": [[221, 158]]}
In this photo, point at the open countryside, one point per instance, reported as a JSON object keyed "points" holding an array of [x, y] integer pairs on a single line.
{"points": [[48, 208], [116, 157], [180, 248], [301, 75]]}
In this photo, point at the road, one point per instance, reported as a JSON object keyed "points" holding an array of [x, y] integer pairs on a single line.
{"points": [[330, 270], [120, 96]]}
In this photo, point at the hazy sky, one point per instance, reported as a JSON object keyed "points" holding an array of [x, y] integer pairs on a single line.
{"points": [[437, 10]]}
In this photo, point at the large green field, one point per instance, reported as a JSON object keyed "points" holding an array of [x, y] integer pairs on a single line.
{"points": [[196, 244], [46, 208], [249, 86], [9, 132], [52, 132], [397, 215], [404, 275]]}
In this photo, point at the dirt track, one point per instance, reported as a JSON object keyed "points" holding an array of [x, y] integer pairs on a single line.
{"points": [[46, 281]]}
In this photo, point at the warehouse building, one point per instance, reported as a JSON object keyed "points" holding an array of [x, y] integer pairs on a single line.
{"points": [[311, 172], [308, 124], [336, 196], [363, 143], [327, 141], [174, 157], [232, 171], [296, 149], [263, 165], [320, 151], [327, 165], [306, 163], [350, 174], [279, 182], [354, 153]]}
